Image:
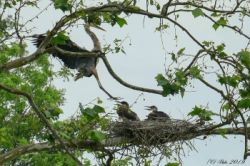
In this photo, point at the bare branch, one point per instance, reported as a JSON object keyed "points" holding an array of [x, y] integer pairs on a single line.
{"points": [[213, 87], [117, 78], [193, 61]]}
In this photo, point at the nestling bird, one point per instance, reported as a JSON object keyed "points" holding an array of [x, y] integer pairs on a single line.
{"points": [[155, 114], [125, 113], [86, 66]]}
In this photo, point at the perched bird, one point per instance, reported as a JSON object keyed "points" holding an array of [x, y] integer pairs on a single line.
{"points": [[155, 114], [125, 113], [86, 66]]}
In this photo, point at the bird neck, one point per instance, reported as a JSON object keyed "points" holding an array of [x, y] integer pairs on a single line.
{"points": [[154, 110], [96, 42]]}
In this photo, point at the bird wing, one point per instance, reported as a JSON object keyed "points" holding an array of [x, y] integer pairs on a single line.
{"points": [[69, 45], [133, 115], [69, 61], [151, 116], [158, 115], [162, 114]]}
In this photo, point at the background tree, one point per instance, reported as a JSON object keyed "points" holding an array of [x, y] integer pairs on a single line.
{"points": [[31, 132]]}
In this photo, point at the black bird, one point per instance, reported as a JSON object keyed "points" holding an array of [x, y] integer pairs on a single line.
{"points": [[86, 66], [155, 114], [125, 113]]}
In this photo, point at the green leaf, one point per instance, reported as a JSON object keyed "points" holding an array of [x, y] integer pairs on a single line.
{"points": [[244, 103], [172, 89], [215, 14], [230, 80], [60, 39], [245, 92], [197, 12], [221, 22], [98, 109], [173, 164], [226, 107], [162, 27], [180, 77], [32, 3], [195, 72], [244, 57], [64, 5], [202, 113], [173, 57], [47, 114], [158, 6], [220, 47], [207, 43], [216, 26], [91, 113], [97, 136], [161, 80], [222, 55], [181, 51], [54, 113], [23, 141], [121, 21]]}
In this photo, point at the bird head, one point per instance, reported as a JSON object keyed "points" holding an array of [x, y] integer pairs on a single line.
{"points": [[122, 103], [152, 108]]}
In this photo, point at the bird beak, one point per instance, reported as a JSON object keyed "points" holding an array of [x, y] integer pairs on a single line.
{"points": [[117, 103], [97, 27], [147, 108]]}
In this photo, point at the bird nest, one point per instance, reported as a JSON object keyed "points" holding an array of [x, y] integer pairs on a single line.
{"points": [[156, 131]]}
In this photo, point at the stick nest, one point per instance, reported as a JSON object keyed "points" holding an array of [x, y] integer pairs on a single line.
{"points": [[157, 131]]}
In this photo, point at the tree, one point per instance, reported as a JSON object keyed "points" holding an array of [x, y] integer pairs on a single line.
{"points": [[31, 132]]}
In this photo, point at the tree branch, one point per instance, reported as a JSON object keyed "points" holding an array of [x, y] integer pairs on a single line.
{"points": [[46, 146], [104, 8], [208, 8], [100, 146], [21, 61], [117, 78], [230, 100]]}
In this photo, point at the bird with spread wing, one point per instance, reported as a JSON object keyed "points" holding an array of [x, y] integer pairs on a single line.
{"points": [[86, 66]]}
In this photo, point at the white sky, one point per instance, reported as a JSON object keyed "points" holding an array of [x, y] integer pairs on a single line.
{"points": [[143, 61]]}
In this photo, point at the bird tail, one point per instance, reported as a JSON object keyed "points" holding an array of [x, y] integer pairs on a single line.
{"points": [[38, 39]]}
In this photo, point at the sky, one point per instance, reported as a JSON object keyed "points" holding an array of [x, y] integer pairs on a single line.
{"points": [[144, 59]]}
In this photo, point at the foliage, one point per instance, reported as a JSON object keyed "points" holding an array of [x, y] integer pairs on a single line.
{"points": [[64, 5], [202, 113]]}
